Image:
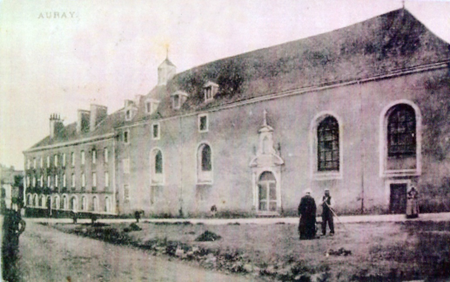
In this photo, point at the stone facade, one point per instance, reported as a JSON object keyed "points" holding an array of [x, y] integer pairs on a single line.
{"points": [[362, 111]]}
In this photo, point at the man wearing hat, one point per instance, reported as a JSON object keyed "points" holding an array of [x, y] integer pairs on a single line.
{"points": [[327, 212], [307, 213]]}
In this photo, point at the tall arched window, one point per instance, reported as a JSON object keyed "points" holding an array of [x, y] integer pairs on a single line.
{"points": [[64, 202], [107, 204], [204, 163], [94, 206], [328, 145], [157, 167], [73, 204], [83, 203], [56, 203], [401, 132]]}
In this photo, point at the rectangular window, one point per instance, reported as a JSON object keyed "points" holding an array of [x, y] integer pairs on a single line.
{"points": [[106, 179], [126, 165], [42, 162], [72, 158], [106, 155], [203, 123], [128, 115], [56, 160], [73, 180], [56, 180], [48, 161], [176, 101], [148, 107], [48, 181], [28, 163], [155, 131], [64, 180], [63, 159], [94, 179], [126, 193], [82, 158], [126, 136], [34, 162], [94, 156], [83, 180]]}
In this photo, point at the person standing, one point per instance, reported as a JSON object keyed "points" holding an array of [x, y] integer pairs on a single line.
{"points": [[307, 212], [412, 206], [327, 212]]}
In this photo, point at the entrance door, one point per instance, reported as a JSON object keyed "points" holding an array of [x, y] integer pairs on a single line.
{"points": [[398, 198], [267, 189]]}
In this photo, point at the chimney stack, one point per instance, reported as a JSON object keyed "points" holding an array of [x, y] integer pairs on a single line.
{"points": [[98, 113], [83, 121], [55, 124]]}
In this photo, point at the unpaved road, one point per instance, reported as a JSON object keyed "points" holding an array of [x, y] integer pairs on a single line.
{"points": [[49, 255]]}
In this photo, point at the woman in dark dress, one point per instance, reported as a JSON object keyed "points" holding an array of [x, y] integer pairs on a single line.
{"points": [[307, 213]]}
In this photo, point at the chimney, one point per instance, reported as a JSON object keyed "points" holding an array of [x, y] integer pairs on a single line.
{"points": [[98, 113], [55, 124], [83, 121]]}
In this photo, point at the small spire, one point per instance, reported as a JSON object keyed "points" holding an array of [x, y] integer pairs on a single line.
{"points": [[265, 118], [167, 51], [403, 4]]}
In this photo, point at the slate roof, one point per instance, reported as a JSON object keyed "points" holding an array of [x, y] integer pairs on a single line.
{"points": [[377, 46]]}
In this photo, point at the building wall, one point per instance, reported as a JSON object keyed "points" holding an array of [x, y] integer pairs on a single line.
{"points": [[233, 137], [100, 167]]}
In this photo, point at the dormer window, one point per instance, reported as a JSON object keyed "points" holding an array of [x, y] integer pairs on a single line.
{"points": [[151, 105], [178, 98], [210, 90], [130, 110]]}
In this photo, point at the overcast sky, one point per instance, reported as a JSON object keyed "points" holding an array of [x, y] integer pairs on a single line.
{"points": [[60, 56]]}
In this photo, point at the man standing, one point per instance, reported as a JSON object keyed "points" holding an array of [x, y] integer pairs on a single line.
{"points": [[307, 213], [327, 212]]}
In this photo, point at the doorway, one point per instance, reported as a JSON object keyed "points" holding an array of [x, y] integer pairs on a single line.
{"points": [[267, 190], [398, 198]]}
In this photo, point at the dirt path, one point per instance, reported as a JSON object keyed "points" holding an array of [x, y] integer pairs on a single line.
{"points": [[49, 255]]}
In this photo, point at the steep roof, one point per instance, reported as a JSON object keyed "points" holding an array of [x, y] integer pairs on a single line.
{"points": [[69, 132], [377, 46]]}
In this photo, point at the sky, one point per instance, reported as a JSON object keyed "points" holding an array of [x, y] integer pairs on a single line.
{"points": [[58, 56]]}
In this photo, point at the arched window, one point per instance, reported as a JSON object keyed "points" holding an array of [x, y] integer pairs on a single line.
{"points": [[328, 145], [35, 200], [158, 162], [73, 204], [83, 203], [107, 204], [43, 201], [64, 202], [29, 203], [94, 206], [204, 163], [401, 131], [157, 167], [56, 203]]}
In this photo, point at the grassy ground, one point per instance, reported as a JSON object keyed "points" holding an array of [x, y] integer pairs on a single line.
{"points": [[379, 251]]}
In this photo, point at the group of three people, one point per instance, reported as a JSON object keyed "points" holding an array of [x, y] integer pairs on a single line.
{"points": [[307, 212]]}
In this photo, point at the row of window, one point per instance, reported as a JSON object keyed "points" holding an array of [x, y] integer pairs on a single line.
{"points": [[156, 130], [63, 203], [55, 181], [61, 159], [401, 143]]}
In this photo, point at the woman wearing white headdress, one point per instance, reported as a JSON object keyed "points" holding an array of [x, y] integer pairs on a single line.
{"points": [[307, 213], [412, 206]]}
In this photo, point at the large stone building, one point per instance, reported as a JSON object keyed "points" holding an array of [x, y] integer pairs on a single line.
{"points": [[362, 110]]}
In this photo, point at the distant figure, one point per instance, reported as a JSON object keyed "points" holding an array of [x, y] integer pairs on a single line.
{"points": [[327, 212], [412, 205], [307, 213], [213, 211]]}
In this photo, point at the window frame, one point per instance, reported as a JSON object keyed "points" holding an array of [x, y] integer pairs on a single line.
{"points": [[158, 131], [200, 117]]}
